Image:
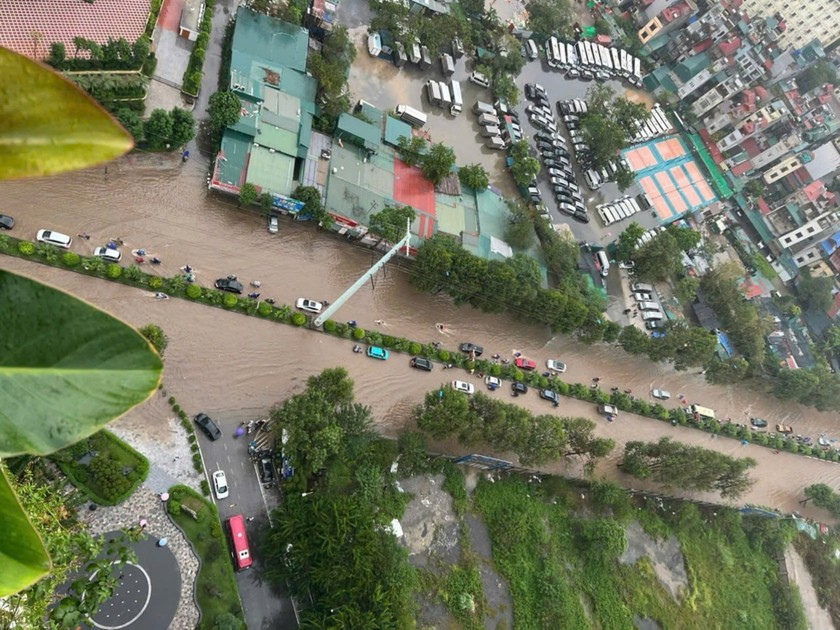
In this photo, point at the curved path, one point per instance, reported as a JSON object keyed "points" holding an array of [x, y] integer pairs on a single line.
{"points": [[235, 368]]}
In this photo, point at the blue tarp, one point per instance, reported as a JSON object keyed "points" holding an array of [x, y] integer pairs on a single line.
{"points": [[723, 340]]}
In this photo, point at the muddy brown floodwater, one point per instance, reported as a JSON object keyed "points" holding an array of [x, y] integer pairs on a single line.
{"points": [[237, 367]]}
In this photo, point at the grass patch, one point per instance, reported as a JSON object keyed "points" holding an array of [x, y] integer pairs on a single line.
{"points": [[559, 558], [103, 467], [215, 587]]}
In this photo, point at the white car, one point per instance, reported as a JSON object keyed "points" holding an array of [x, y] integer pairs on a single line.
{"points": [[643, 297], [54, 238], [464, 388], [626, 264], [106, 253], [273, 224], [220, 486], [309, 305], [556, 366], [661, 394]]}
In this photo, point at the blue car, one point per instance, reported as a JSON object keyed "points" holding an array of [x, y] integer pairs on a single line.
{"points": [[376, 352]]}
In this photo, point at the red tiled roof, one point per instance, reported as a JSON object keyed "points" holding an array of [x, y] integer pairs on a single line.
{"points": [[412, 189], [740, 169], [704, 45], [62, 20], [768, 63], [814, 190], [760, 92], [748, 127], [750, 145], [762, 206], [730, 46], [835, 304]]}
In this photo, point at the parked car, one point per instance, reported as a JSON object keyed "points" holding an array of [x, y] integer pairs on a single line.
{"points": [[626, 264], [220, 486], [518, 388], [556, 366], [464, 388], [468, 347], [273, 224], [6, 222], [266, 470], [642, 297], [532, 89], [229, 284], [581, 216], [207, 426], [661, 394], [608, 410], [106, 253], [376, 352], [421, 363], [54, 238], [784, 428], [309, 305], [492, 382], [653, 324], [523, 363], [550, 395], [758, 423]]}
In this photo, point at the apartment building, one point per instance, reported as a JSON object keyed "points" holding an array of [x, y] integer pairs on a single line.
{"points": [[801, 20]]}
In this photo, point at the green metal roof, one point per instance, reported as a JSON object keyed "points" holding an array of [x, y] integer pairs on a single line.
{"points": [[394, 129], [373, 114], [270, 170], [234, 150], [660, 78], [352, 129], [689, 68], [451, 212], [265, 38]]}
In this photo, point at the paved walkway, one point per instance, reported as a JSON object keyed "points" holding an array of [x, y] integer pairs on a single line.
{"points": [[146, 504]]}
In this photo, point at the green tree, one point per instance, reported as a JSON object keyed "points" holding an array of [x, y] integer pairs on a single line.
{"points": [[817, 74], [658, 259], [688, 467], [435, 259], [524, 168], [158, 129], [823, 496], [519, 232], [628, 240], [266, 202], [633, 340], [599, 96], [156, 337], [686, 346], [604, 136], [444, 412], [183, 126], [754, 188], [131, 122], [729, 371], [548, 18], [312, 205], [687, 239], [389, 224], [624, 177], [831, 338], [248, 194], [504, 88], [438, 163], [224, 109], [58, 55], [474, 176], [815, 292], [335, 384], [628, 115], [411, 150], [686, 289]]}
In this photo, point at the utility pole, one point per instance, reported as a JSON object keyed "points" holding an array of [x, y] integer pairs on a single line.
{"points": [[338, 303]]}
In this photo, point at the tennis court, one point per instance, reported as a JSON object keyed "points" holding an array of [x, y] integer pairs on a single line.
{"points": [[669, 177]]}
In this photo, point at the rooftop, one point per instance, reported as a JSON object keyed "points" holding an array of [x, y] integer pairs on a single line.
{"points": [[62, 20]]}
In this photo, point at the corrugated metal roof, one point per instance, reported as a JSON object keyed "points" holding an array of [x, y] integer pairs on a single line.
{"points": [[395, 129], [351, 127], [270, 170]]}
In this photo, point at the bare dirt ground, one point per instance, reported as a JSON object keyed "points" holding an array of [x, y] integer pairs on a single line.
{"points": [[664, 555], [818, 618]]}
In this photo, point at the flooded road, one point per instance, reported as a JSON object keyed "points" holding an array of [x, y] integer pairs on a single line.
{"points": [[239, 366]]}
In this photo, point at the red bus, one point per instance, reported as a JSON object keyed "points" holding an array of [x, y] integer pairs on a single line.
{"points": [[239, 542]]}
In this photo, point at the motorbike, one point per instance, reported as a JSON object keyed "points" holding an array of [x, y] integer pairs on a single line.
{"points": [[155, 260], [256, 284], [254, 295], [357, 348]]}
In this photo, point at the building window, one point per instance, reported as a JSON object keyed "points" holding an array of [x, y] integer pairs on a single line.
{"points": [[798, 234], [810, 229], [800, 259]]}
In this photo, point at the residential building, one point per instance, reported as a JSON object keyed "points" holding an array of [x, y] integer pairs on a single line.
{"points": [[191, 17], [801, 20], [667, 20]]}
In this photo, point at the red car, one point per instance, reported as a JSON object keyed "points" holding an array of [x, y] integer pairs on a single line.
{"points": [[525, 364]]}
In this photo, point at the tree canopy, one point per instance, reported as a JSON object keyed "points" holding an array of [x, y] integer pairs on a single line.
{"points": [[688, 467], [389, 224], [659, 258], [474, 176], [438, 162], [525, 168], [549, 18], [815, 291], [312, 206], [224, 109]]}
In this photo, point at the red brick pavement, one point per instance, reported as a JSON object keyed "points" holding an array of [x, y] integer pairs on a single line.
{"points": [[23, 22]]}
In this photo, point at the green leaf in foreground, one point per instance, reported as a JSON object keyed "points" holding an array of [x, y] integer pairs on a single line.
{"points": [[66, 368], [48, 124], [22, 554]]}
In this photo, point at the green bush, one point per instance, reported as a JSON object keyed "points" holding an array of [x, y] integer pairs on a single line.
{"points": [[193, 446], [196, 458], [26, 248], [359, 333], [193, 291], [443, 355], [264, 309], [155, 282], [70, 259], [298, 319], [229, 301], [197, 465], [171, 401], [329, 326], [215, 529], [113, 271], [176, 407], [414, 347], [191, 438], [107, 474], [205, 488]]}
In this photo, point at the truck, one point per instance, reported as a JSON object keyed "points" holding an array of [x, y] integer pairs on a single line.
{"points": [[425, 58], [433, 92], [447, 65], [445, 98], [483, 108], [410, 115], [701, 413], [457, 99], [488, 119]]}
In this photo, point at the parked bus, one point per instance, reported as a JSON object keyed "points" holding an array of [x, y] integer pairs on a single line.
{"points": [[410, 115], [637, 68], [550, 56], [616, 61], [703, 413], [457, 100], [580, 53], [571, 57], [239, 542], [560, 54], [606, 216]]}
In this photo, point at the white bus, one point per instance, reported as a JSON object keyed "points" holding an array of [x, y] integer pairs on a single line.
{"points": [[590, 54], [560, 51], [635, 205], [571, 57], [616, 61], [628, 66], [629, 211], [624, 63], [606, 216], [581, 53], [559, 58], [605, 55], [637, 68], [549, 52]]}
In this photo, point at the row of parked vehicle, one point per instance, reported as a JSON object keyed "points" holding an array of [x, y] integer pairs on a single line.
{"points": [[499, 124], [618, 210], [555, 155], [649, 309], [588, 60], [445, 95]]}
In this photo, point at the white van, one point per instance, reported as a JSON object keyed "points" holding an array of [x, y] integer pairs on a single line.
{"points": [[648, 306], [603, 262], [652, 316], [488, 119], [531, 49], [433, 91], [54, 238], [496, 143], [479, 79], [641, 287], [490, 131]]}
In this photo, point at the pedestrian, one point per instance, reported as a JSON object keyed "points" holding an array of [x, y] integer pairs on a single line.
{"points": [[249, 519]]}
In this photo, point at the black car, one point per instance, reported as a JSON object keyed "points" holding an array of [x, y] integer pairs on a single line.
{"points": [[266, 470], [6, 222], [759, 423], [542, 145], [206, 424], [421, 363], [581, 216], [550, 395], [229, 284], [518, 388], [471, 347]]}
